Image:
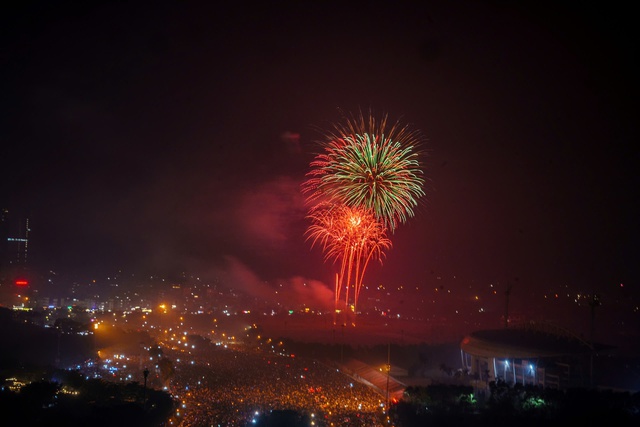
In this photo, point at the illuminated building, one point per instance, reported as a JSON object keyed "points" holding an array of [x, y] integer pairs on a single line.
{"points": [[14, 245], [534, 353], [4, 244]]}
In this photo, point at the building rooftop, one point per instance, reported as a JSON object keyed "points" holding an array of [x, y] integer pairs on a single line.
{"points": [[533, 340]]}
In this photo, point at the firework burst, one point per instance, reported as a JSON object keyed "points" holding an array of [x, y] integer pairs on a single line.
{"points": [[366, 181], [351, 237], [371, 164]]}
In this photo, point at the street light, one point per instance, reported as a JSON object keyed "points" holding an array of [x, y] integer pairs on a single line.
{"points": [[144, 396], [388, 371]]}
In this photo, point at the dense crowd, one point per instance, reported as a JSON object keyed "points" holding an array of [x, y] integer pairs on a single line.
{"points": [[235, 387]]}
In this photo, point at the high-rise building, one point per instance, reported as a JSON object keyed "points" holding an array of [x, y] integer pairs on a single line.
{"points": [[14, 243], [4, 243]]}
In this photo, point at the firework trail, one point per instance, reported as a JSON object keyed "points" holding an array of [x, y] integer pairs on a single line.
{"points": [[365, 182], [351, 237]]}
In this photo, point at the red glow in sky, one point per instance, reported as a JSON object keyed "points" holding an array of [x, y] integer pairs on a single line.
{"points": [[145, 154]]}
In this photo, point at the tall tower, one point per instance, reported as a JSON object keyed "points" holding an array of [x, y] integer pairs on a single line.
{"points": [[14, 244], [4, 243], [15, 278]]}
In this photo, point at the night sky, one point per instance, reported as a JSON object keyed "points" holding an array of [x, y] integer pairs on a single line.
{"points": [[163, 138]]}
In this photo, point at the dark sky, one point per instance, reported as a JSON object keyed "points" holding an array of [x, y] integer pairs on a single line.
{"points": [[153, 136]]}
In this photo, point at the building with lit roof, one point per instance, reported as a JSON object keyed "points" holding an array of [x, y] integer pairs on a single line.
{"points": [[535, 353]]}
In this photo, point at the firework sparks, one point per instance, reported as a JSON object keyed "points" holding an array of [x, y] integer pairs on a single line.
{"points": [[366, 181], [368, 163], [352, 237]]}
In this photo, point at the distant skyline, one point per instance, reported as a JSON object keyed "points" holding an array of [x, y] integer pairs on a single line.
{"points": [[175, 137]]}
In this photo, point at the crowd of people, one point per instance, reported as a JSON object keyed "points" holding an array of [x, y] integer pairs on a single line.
{"points": [[235, 387]]}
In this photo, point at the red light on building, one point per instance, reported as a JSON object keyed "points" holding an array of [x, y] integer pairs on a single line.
{"points": [[22, 282]]}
